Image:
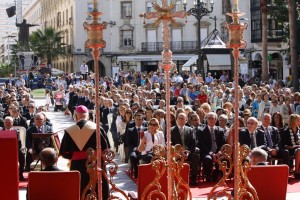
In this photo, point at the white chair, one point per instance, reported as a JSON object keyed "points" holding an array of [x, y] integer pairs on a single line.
{"points": [[22, 133]]}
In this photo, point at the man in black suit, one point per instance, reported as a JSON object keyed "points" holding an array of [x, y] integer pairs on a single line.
{"points": [[251, 136], [211, 139], [109, 108], [8, 126], [274, 146], [30, 114], [133, 141], [185, 136], [72, 100], [38, 127], [18, 119]]}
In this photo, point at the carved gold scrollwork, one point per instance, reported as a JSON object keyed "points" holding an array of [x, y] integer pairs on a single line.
{"points": [[159, 166], [246, 189], [108, 162], [179, 155], [91, 165], [225, 165]]}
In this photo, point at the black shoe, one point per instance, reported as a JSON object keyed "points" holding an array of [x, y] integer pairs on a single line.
{"points": [[208, 179], [21, 178], [27, 169], [193, 183], [297, 175]]}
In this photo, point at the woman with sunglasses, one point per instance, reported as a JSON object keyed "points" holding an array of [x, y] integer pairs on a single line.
{"points": [[291, 141], [150, 138]]}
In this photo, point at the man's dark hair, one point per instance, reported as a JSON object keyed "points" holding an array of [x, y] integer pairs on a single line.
{"points": [[48, 157]]}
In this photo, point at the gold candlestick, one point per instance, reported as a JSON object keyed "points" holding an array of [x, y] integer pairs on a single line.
{"points": [[95, 42]]}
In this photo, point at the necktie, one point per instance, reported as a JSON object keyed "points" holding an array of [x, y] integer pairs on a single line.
{"points": [[269, 138], [289, 109], [213, 141], [253, 142], [182, 136]]}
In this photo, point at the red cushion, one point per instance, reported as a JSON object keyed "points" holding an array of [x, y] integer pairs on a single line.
{"points": [[146, 175], [58, 185], [270, 181], [9, 181]]}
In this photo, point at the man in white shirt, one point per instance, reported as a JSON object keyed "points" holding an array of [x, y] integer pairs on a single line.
{"points": [[84, 69]]}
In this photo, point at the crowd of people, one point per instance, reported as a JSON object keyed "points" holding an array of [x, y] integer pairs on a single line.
{"points": [[133, 113], [133, 118]]}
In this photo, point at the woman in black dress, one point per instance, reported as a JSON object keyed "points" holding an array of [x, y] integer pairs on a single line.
{"points": [[291, 141]]}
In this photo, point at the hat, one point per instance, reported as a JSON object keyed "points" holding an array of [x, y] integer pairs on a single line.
{"points": [[81, 109]]}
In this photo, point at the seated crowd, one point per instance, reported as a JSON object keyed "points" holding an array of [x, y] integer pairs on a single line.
{"points": [[133, 115]]}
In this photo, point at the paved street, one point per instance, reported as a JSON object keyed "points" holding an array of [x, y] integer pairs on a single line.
{"points": [[61, 121]]}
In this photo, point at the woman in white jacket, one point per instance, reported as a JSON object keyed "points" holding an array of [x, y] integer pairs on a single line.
{"points": [[264, 106]]}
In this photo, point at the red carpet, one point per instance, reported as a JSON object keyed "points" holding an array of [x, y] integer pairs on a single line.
{"points": [[23, 184], [204, 188]]}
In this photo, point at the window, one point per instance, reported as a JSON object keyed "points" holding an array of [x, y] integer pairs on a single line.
{"points": [[127, 38], [58, 22], [149, 7], [224, 6], [126, 9], [90, 8]]}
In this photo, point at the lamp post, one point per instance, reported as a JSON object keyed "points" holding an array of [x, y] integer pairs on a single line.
{"points": [[198, 11], [8, 50]]}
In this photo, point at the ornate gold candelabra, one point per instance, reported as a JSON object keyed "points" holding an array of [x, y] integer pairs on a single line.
{"points": [[166, 15], [242, 186], [95, 42]]}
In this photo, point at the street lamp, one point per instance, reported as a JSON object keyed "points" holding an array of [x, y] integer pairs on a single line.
{"points": [[8, 49], [198, 11]]}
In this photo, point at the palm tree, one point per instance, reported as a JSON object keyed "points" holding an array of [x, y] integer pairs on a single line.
{"points": [[293, 42], [47, 44], [264, 40]]}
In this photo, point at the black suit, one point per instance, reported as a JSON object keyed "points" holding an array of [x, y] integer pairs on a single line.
{"points": [[103, 118], [287, 141], [21, 121], [190, 144], [28, 115], [277, 144], [133, 141], [245, 138], [72, 102], [29, 145], [205, 144]]}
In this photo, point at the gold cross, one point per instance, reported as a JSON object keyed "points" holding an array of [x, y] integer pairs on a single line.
{"points": [[164, 13]]}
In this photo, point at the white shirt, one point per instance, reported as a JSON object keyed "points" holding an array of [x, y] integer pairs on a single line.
{"points": [[159, 138], [84, 69]]}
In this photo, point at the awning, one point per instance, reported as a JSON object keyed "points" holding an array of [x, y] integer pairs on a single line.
{"points": [[191, 61], [153, 57], [218, 59], [188, 68], [221, 67]]}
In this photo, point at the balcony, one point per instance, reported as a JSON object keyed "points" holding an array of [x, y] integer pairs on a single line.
{"points": [[183, 46]]}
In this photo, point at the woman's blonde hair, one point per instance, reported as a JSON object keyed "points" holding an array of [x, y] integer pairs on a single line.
{"points": [[292, 120]]}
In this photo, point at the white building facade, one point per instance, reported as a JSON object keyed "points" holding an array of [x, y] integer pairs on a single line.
{"points": [[132, 44]]}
